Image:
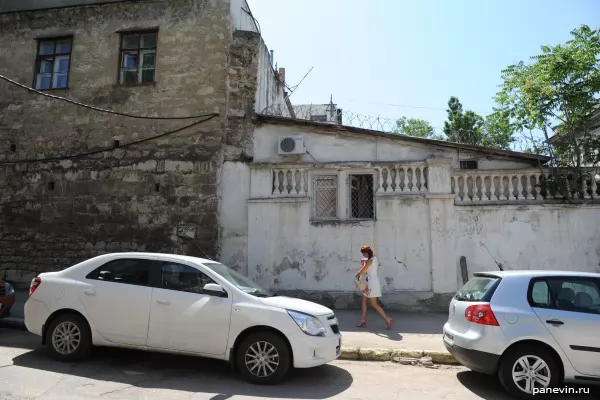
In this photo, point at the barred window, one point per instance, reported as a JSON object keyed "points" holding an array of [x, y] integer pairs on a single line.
{"points": [[325, 196], [361, 197]]}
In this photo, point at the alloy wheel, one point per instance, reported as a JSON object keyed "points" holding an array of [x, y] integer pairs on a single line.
{"points": [[66, 338], [530, 372], [262, 359]]}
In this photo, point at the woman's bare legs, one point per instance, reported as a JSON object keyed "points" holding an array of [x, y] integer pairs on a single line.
{"points": [[373, 302], [363, 307]]}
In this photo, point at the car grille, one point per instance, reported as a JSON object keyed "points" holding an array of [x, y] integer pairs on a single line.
{"points": [[335, 329]]}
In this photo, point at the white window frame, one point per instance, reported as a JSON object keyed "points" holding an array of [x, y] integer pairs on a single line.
{"points": [[349, 173], [313, 179], [344, 211]]}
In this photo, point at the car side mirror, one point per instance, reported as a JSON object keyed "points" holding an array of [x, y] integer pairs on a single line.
{"points": [[212, 289]]}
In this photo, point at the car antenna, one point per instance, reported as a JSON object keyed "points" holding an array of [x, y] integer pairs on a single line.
{"points": [[497, 263], [203, 252]]}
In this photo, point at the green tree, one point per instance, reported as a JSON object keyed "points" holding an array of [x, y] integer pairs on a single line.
{"points": [[498, 131], [463, 126], [560, 86], [416, 127]]}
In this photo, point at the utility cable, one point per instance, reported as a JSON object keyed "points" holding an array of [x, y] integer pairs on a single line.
{"points": [[89, 153], [95, 108]]}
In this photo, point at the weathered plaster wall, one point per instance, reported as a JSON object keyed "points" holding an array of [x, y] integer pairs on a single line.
{"points": [[323, 147], [554, 237], [240, 19], [270, 92], [110, 201]]}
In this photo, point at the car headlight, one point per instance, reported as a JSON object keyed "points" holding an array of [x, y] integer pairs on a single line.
{"points": [[309, 324], [9, 288]]}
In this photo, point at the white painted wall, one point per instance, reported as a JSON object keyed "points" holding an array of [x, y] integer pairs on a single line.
{"points": [[554, 237], [336, 147], [270, 92], [240, 18]]}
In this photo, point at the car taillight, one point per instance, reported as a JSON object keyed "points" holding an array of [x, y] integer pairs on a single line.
{"points": [[481, 314], [35, 283]]}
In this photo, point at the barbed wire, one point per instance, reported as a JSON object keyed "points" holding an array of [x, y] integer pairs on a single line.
{"points": [[328, 114]]}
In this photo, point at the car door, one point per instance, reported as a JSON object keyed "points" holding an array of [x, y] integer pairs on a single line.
{"points": [[116, 296], [183, 317], [569, 307]]}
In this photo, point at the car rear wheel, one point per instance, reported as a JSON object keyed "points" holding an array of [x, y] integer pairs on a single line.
{"points": [[69, 338], [525, 370], [263, 358]]}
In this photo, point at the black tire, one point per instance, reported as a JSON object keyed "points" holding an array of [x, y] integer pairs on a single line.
{"points": [[78, 328], [509, 360], [272, 341]]}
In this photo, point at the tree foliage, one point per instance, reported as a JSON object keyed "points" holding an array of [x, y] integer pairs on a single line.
{"points": [[416, 127], [559, 87]]}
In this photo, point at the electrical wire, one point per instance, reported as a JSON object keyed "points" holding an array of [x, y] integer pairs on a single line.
{"points": [[89, 153], [95, 108]]}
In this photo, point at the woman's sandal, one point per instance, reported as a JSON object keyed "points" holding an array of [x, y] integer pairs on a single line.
{"points": [[389, 325], [361, 325]]}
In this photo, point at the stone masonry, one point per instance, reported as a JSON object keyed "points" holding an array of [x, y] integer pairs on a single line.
{"points": [[160, 195]]}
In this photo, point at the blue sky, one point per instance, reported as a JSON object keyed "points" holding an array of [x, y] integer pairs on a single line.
{"points": [[377, 57]]}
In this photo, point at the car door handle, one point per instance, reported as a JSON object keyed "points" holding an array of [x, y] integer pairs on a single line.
{"points": [[555, 321], [90, 292], [164, 302]]}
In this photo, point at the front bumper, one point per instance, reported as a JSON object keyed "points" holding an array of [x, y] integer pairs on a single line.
{"points": [[311, 351], [6, 303]]}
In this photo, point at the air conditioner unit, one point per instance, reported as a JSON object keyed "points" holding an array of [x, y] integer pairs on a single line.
{"points": [[290, 145]]}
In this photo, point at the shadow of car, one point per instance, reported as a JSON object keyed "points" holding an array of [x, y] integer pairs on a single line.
{"points": [[7, 298]]}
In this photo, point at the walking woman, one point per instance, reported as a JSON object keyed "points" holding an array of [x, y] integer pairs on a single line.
{"points": [[373, 288]]}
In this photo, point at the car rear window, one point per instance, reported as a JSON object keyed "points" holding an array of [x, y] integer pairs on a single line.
{"points": [[479, 288]]}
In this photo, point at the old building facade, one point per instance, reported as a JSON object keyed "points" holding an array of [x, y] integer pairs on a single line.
{"points": [[434, 212], [78, 181]]}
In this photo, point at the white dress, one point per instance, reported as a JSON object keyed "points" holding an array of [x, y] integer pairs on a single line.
{"points": [[373, 285]]}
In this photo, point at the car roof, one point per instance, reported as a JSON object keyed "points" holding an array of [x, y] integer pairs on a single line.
{"points": [[162, 255], [536, 273]]}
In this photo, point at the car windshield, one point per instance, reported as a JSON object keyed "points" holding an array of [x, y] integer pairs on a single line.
{"points": [[238, 280]]}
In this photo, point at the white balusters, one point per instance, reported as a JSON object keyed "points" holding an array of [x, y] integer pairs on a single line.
{"points": [[290, 182], [402, 179]]}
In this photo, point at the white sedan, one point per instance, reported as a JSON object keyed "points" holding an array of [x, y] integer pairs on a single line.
{"points": [[179, 304]]}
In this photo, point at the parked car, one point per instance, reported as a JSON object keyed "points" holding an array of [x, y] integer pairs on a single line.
{"points": [[7, 298], [179, 304], [534, 329]]}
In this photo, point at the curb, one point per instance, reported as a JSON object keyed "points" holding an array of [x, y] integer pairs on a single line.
{"points": [[367, 354], [13, 323]]}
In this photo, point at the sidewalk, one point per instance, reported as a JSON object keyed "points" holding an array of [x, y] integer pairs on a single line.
{"points": [[412, 335]]}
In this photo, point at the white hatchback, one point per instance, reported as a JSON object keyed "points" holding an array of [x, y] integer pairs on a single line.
{"points": [[535, 329], [179, 304]]}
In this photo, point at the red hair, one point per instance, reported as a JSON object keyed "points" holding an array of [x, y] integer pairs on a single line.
{"points": [[366, 249]]}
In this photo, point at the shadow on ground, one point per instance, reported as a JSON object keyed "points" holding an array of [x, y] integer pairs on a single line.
{"points": [[404, 322], [489, 388], [148, 370]]}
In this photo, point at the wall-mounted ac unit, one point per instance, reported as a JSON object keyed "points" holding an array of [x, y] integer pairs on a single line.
{"points": [[290, 145]]}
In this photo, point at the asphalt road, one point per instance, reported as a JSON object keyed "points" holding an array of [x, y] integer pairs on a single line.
{"points": [[26, 373]]}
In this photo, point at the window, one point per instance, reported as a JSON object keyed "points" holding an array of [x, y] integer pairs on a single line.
{"points": [[183, 278], [566, 294], [125, 270], [479, 288], [468, 164], [361, 197], [138, 58], [325, 196], [52, 63]]}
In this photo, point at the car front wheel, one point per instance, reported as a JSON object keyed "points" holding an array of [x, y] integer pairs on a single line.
{"points": [[69, 338], [263, 358], [527, 371]]}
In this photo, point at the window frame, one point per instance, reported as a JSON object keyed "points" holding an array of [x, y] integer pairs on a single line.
{"points": [[562, 279], [151, 274], [138, 32], [324, 174], [161, 264], [39, 57], [349, 175]]}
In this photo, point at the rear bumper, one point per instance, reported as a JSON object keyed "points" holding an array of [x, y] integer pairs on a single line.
{"points": [[475, 360], [36, 314], [6, 303]]}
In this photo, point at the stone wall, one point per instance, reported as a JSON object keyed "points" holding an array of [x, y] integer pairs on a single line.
{"points": [[160, 195]]}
